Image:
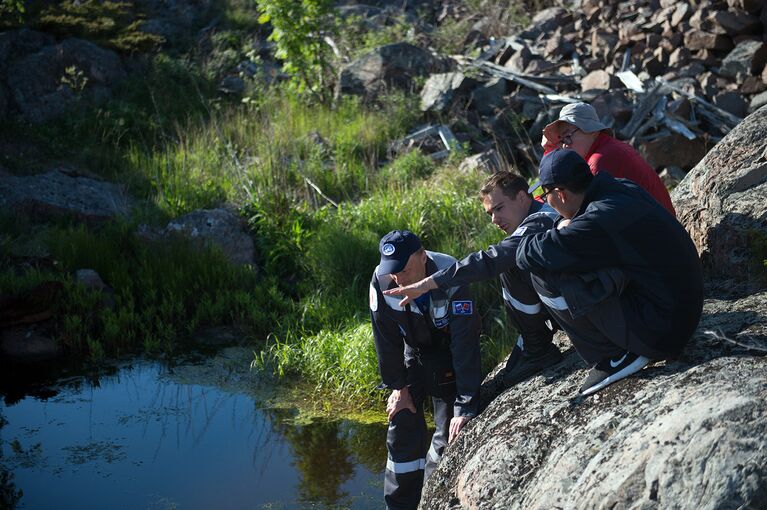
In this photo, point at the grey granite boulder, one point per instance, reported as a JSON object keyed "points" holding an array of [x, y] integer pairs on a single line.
{"points": [[221, 228], [723, 204], [689, 433], [442, 89], [46, 83], [63, 193], [684, 433], [393, 66], [746, 58]]}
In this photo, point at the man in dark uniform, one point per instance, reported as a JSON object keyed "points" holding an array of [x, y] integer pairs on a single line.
{"points": [[507, 202], [619, 273], [429, 347]]}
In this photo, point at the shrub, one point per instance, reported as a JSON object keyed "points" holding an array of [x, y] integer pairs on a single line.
{"points": [[298, 29]]}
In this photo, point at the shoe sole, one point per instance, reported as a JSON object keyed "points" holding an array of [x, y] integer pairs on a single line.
{"points": [[633, 368]]}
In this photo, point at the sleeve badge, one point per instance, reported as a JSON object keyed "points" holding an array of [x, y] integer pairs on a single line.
{"points": [[462, 307]]}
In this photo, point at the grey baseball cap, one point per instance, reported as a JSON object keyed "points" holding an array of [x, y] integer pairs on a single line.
{"points": [[581, 115]]}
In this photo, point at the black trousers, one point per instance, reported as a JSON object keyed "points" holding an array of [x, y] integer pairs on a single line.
{"points": [[601, 332], [412, 456], [526, 311]]}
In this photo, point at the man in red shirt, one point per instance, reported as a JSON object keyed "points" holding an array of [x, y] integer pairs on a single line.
{"points": [[579, 129]]}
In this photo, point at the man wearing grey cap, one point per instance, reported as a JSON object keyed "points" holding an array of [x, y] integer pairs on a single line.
{"points": [[579, 129], [427, 348], [619, 274]]}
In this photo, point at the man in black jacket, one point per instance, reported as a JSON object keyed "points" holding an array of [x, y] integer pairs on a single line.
{"points": [[619, 273], [510, 207], [429, 347]]}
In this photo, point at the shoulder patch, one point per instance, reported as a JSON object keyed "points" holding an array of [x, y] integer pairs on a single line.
{"points": [[373, 299], [519, 231], [462, 307]]}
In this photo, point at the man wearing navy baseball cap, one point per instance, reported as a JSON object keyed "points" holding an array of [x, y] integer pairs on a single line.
{"points": [[619, 274], [427, 348]]}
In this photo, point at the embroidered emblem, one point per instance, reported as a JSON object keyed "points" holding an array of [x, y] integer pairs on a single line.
{"points": [[462, 308], [387, 249], [519, 231]]}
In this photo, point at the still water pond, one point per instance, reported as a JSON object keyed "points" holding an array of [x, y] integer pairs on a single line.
{"points": [[147, 437]]}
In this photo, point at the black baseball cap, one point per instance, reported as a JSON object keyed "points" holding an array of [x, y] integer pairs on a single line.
{"points": [[396, 247], [560, 166]]}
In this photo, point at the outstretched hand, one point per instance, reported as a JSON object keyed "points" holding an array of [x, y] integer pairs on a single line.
{"points": [[412, 291]]}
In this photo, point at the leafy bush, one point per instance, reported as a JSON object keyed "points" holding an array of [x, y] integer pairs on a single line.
{"points": [[298, 29]]}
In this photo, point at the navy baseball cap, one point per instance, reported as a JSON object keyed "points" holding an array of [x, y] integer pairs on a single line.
{"points": [[396, 247], [560, 166]]}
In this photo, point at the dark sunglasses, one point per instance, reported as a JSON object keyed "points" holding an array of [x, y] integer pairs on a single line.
{"points": [[540, 193]]}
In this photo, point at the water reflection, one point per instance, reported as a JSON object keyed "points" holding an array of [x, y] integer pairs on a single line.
{"points": [[137, 439], [326, 453]]}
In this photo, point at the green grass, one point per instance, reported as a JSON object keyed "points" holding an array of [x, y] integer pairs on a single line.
{"points": [[330, 342], [178, 146], [162, 291]]}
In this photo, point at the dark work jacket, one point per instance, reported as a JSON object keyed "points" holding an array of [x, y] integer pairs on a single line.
{"points": [[620, 226], [406, 339], [499, 258]]}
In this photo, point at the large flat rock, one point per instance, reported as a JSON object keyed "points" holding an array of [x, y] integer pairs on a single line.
{"points": [[60, 193], [691, 433]]}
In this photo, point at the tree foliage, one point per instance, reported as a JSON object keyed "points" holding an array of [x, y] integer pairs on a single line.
{"points": [[298, 30]]}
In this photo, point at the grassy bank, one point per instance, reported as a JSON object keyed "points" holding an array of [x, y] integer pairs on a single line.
{"points": [[315, 183]]}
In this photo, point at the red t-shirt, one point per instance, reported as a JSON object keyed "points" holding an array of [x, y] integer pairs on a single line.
{"points": [[621, 160]]}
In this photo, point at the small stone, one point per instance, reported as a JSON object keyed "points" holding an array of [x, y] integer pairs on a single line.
{"points": [[679, 57], [732, 102], [757, 102], [698, 40], [598, 80]]}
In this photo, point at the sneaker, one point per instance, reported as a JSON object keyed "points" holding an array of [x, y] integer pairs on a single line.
{"points": [[608, 371], [526, 365]]}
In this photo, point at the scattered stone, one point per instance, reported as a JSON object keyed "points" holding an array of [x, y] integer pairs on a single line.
{"points": [[217, 227], [393, 65], [673, 151], [746, 58], [26, 345], [34, 305], [732, 102], [736, 23], [698, 40], [50, 81], [672, 176], [440, 90], [757, 102], [90, 279], [679, 57], [233, 85], [753, 85], [519, 60], [488, 162], [598, 80], [56, 193], [488, 99], [546, 21]]}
